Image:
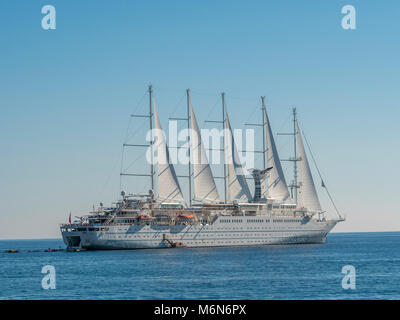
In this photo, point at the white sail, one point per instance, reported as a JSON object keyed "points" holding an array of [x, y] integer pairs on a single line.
{"points": [[277, 187], [168, 186], [237, 185], [308, 193], [205, 189]]}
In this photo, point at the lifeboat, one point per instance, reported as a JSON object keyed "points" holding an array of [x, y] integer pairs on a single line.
{"points": [[185, 216], [144, 217], [179, 245]]}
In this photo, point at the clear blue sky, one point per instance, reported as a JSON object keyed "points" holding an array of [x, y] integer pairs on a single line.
{"points": [[66, 94]]}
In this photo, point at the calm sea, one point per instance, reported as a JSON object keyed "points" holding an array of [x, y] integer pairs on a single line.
{"points": [[271, 272]]}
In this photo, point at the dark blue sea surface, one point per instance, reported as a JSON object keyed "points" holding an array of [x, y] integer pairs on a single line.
{"points": [[270, 272]]}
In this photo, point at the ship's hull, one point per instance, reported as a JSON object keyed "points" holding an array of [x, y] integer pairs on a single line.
{"points": [[232, 231]]}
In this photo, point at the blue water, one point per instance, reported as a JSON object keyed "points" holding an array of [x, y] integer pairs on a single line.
{"points": [[271, 272]]}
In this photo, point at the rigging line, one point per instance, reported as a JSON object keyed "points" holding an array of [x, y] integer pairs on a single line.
{"points": [[243, 98], [320, 175], [252, 113], [204, 93], [210, 94], [136, 131], [140, 101], [108, 180], [120, 171], [127, 130], [144, 189], [133, 162], [211, 110], [130, 118], [227, 95], [284, 147], [170, 89], [126, 138], [284, 123], [178, 104]]}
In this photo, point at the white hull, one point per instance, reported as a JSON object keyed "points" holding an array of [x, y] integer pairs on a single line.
{"points": [[225, 231]]}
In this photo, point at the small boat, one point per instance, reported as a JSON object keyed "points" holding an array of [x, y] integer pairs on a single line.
{"points": [[75, 249], [52, 250], [12, 251]]}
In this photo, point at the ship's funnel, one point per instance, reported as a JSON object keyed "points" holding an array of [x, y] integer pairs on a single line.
{"points": [[258, 176]]}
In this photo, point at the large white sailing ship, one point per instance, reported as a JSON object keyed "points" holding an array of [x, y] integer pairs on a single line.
{"points": [[163, 218]]}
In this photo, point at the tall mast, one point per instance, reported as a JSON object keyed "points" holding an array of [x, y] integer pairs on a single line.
{"points": [[262, 124], [263, 127], [189, 166], [295, 155], [264, 149], [294, 185], [223, 122], [187, 119], [223, 142], [151, 131], [150, 116]]}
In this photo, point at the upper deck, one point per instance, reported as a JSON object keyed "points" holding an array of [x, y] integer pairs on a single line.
{"points": [[174, 214]]}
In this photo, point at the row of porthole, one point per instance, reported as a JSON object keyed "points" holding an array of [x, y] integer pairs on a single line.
{"points": [[232, 228], [206, 234], [234, 241], [247, 229], [248, 221], [171, 236]]}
